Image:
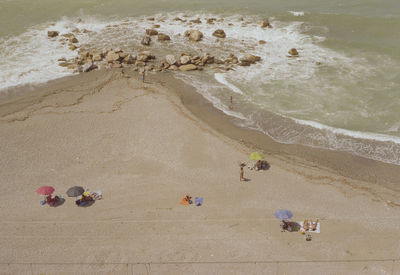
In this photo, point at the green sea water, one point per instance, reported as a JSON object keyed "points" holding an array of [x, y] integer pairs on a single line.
{"points": [[350, 101]]}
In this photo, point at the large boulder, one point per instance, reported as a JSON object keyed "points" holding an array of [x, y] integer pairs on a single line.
{"points": [[185, 59], [219, 33], [188, 67], [112, 57], [163, 37], [146, 40], [52, 33], [171, 60], [151, 32], [249, 59], [293, 52], [194, 35]]}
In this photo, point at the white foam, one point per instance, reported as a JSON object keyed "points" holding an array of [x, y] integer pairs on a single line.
{"points": [[297, 13], [221, 79], [350, 133]]}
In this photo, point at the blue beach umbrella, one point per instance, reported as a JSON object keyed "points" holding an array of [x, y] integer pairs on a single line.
{"points": [[283, 214]]}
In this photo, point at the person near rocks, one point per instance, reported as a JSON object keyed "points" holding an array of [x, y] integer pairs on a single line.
{"points": [[143, 73], [241, 173]]}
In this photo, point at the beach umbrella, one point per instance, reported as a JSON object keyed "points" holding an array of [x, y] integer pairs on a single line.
{"points": [[45, 190], [283, 214], [75, 191], [256, 156]]}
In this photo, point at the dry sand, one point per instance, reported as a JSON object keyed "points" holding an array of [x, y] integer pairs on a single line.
{"points": [[142, 147]]}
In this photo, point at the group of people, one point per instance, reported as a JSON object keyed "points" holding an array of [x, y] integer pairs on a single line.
{"points": [[51, 200], [259, 165], [309, 225], [187, 200], [85, 199], [88, 198]]}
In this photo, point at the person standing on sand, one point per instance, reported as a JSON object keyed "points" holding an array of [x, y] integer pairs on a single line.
{"points": [[143, 74], [231, 106], [241, 173]]}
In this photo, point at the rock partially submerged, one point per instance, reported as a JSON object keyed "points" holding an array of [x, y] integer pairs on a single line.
{"points": [[249, 59], [52, 33], [196, 21], [293, 52], [151, 32], [146, 41], [163, 37], [194, 35], [265, 24], [219, 33]]}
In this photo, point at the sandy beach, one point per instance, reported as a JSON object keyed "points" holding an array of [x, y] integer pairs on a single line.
{"points": [[146, 145]]}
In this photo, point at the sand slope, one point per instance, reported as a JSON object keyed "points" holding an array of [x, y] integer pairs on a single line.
{"points": [[141, 147]]}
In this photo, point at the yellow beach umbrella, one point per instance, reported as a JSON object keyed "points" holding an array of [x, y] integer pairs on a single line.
{"points": [[256, 156]]}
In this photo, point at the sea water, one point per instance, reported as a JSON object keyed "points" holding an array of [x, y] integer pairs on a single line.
{"points": [[341, 93]]}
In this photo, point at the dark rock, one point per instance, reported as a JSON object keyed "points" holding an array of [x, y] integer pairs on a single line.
{"points": [[219, 33], [293, 52], [163, 37], [151, 32], [52, 33]]}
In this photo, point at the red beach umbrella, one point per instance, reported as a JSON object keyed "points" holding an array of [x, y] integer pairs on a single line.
{"points": [[45, 190]]}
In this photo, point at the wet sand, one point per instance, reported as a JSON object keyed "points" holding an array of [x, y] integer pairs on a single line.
{"points": [[145, 149]]}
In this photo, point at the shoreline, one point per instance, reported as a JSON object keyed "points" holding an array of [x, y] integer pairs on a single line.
{"points": [[343, 163], [378, 174], [143, 147]]}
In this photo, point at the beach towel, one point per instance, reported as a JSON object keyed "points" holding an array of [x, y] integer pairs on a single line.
{"points": [[198, 201], [184, 201], [317, 230], [96, 195]]}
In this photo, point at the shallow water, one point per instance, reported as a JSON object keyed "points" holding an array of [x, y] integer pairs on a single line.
{"points": [[341, 93]]}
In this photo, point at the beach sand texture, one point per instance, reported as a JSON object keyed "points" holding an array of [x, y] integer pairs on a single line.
{"points": [[139, 144]]}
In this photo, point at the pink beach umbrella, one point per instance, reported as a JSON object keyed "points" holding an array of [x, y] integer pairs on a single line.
{"points": [[45, 190]]}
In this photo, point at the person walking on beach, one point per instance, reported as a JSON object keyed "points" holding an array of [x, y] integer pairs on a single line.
{"points": [[241, 173], [143, 74], [230, 105]]}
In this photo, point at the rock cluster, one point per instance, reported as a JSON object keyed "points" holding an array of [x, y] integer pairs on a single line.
{"points": [[91, 59]]}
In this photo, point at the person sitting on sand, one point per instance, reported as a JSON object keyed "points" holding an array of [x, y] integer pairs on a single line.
{"points": [[52, 200], [314, 225], [306, 226], [189, 199]]}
